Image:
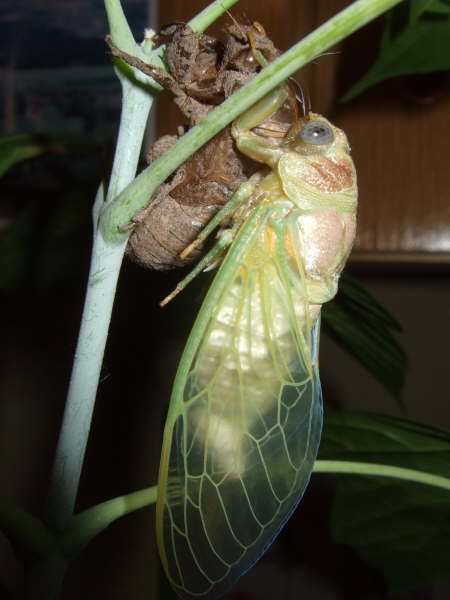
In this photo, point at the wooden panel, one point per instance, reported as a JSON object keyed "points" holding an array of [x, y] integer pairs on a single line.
{"points": [[398, 131], [398, 135], [403, 176]]}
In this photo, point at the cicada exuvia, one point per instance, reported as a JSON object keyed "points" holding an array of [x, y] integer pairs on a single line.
{"points": [[202, 72], [245, 417]]}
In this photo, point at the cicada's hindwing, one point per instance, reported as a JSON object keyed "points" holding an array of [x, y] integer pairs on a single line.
{"points": [[245, 419]]}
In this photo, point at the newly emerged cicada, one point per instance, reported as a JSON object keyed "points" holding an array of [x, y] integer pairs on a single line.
{"points": [[245, 416]]}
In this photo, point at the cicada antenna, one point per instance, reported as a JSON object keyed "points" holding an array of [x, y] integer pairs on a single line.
{"points": [[301, 96], [308, 101], [235, 21]]}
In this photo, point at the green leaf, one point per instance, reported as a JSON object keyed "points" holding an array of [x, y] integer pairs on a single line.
{"points": [[24, 531], [17, 148], [414, 41], [402, 528], [47, 245], [362, 301], [371, 437], [363, 327], [418, 7], [14, 149]]}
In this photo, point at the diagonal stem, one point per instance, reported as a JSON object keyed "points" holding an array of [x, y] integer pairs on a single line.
{"points": [[373, 469], [86, 525]]}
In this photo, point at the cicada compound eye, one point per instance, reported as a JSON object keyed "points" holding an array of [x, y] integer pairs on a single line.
{"points": [[317, 133]]}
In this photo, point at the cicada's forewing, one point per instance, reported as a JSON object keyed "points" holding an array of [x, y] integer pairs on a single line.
{"points": [[245, 419]]}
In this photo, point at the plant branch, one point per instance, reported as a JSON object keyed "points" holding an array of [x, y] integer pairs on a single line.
{"points": [[104, 271], [211, 13], [373, 469], [86, 525]]}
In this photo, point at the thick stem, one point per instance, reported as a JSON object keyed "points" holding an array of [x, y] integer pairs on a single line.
{"points": [[83, 384], [86, 525], [104, 271]]}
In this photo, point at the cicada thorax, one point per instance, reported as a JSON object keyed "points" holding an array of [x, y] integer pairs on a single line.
{"points": [[202, 73]]}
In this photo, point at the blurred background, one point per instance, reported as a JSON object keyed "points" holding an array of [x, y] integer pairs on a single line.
{"points": [[57, 82]]}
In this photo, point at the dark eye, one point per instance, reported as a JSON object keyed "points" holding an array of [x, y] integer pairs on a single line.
{"points": [[317, 133]]}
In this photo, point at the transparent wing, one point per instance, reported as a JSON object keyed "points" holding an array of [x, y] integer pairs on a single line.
{"points": [[240, 445]]}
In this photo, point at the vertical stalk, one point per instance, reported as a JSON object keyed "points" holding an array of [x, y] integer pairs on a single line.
{"points": [[46, 580], [102, 282]]}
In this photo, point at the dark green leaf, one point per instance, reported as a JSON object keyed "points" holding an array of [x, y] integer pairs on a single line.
{"points": [[417, 41], [362, 326], [47, 244], [25, 532], [370, 437], [14, 149], [362, 301], [46, 247], [17, 148], [418, 7], [400, 527]]}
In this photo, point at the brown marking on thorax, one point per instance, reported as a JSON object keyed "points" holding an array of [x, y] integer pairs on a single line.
{"points": [[330, 175]]}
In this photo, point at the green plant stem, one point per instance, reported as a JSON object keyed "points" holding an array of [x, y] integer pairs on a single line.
{"points": [[104, 271], [211, 13], [86, 525], [135, 196], [373, 469]]}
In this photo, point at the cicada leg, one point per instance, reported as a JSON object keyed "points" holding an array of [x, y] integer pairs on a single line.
{"points": [[242, 193], [224, 239], [260, 148], [260, 111], [257, 55]]}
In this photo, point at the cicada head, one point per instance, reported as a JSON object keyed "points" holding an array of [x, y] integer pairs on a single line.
{"points": [[315, 135], [317, 165]]}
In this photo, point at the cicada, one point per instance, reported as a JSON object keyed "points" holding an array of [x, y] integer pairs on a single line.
{"points": [[245, 416]]}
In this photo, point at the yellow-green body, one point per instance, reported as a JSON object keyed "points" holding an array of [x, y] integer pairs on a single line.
{"points": [[245, 417]]}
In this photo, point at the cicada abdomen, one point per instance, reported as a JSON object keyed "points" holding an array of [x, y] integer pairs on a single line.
{"points": [[245, 417]]}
